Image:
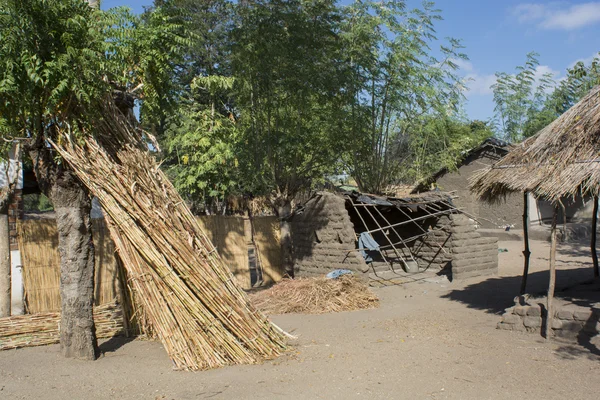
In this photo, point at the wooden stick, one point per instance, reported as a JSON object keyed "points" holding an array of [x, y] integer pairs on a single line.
{"points": [[409, 221], [379, 247], [526, 252], [593, 244], [552, 283], [387, 237]]}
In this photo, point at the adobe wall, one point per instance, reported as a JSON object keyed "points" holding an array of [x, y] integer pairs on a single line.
{"points": [[507, 211], [434, 250], [472, 254], [323, 238]]}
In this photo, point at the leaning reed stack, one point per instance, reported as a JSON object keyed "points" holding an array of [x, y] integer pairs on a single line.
{"points": [[190, 298]]}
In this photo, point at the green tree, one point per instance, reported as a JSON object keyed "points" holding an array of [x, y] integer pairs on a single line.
{"points": [[58, 58], [286, 64], [577, 83], [520, 98], [394, 85], [200, 142], [51, 52], [441, 144]]}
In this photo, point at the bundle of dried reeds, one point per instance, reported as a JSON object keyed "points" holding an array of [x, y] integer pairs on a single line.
{"points": [[41, 329], [315, 296], [563, 159], [190, 298]]}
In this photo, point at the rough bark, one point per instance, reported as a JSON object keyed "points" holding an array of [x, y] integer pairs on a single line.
{"points": [[284, 210], [5, 273], [526, 251], [72, 206]]}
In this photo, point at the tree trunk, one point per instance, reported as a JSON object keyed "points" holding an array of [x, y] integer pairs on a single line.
{"points": [[284, 210], [5, 273], [526, 251], [72, 205]]}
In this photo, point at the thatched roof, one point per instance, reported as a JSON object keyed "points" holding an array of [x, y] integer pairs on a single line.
{"points": [[563, 159]]}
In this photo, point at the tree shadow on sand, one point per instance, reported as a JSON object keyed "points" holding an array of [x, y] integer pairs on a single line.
{"points": [[496, 294]]}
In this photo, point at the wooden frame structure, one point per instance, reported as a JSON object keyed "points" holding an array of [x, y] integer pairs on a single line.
{"points": [[368, 208]]}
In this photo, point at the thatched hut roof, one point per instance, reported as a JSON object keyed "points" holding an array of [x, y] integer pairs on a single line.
{"points": [[563, 159]]}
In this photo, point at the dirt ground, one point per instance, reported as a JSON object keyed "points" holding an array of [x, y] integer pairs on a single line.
{"points": [[428, 340]]}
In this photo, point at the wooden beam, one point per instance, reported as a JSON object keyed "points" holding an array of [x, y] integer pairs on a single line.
{"points": [[593, 243], [448, 212], [526, 252], [552, 282]]}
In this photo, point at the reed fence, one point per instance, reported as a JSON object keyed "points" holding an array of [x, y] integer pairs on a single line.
{"points": [[38, 242]]}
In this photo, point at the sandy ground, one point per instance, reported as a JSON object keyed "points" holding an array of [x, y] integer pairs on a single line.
{"points": [[428, 340]]}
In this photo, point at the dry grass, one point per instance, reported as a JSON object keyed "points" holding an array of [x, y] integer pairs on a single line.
{"points": [[315, 296], [43, 329], [187, 294], [563, 159]]}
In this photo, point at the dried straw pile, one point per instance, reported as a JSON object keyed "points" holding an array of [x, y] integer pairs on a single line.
{"points": [[315, 296], [563, 159], [42, 329], [187, 294]]}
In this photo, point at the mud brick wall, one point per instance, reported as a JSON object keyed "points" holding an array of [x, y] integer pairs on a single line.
{"points": [[472, 255], [323, 238], [568, 321], [434, 250]]}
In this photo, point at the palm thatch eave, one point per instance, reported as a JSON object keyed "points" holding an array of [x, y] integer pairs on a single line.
{"points": [[561, 160]]}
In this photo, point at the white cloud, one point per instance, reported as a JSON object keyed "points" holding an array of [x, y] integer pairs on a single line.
{"points": [[530, 12], [463, 65], [556, 16], [480, 84]]}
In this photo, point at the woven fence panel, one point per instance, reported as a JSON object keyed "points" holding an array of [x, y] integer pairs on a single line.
{"points": [[267, 240], [227, 234], [38, 243]]}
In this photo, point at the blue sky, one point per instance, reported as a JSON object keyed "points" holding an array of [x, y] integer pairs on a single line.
{"points": [[498, 34]]}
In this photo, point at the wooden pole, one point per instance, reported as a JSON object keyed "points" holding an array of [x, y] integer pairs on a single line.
{"points": [[552, 283], [593, 244], [526, 252], [5, 267]]}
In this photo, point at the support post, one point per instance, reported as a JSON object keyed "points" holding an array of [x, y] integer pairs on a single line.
{"points": [[5, 266], [526, 252], [552, 283], [593, 243]]}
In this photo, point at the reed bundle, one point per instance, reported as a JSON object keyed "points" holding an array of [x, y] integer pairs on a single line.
{"points": [[563, 159], [41, 329], [315, 296], [187, 294]]}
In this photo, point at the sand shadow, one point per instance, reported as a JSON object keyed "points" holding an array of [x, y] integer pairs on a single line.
{"points": [[114, 343], [495, 294]]}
